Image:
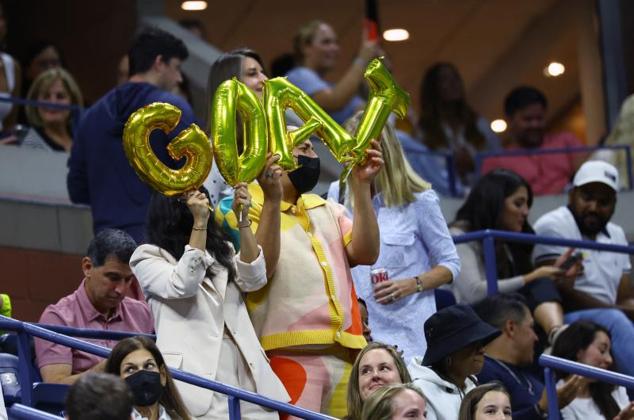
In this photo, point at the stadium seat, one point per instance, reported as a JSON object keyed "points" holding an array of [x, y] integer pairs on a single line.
{"points": [[9, 378]]}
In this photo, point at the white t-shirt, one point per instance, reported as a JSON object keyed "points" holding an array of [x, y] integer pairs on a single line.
{"points": [[586, 409], [602, 270]]}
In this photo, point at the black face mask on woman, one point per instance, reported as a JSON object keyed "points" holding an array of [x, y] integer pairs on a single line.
{"points": [[146, 387], [306, 176]]}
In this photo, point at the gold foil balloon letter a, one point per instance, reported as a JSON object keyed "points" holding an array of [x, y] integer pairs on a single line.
{"points": [[280, 94], [385, 97]]}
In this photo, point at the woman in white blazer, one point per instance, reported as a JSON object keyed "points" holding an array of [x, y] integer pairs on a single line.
{"points": [[193, 282]]}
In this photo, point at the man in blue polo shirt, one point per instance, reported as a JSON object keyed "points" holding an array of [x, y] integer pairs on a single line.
{"points": [[509, 358]]}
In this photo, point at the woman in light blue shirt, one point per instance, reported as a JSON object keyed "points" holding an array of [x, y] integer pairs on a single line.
{"points": [[416, 250]]}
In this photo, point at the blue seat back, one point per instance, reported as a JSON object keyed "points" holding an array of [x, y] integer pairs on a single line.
{"points": [[9, 378]]}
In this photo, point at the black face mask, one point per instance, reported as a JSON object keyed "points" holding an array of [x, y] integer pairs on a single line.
{"points": [[146, 387], [306, 176]]}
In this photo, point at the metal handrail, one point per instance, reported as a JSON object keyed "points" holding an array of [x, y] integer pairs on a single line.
{"points": [[40, 104], [19, 412], [488, 237], [25, 329], [551, 362], [96, 334], [481, 156]]}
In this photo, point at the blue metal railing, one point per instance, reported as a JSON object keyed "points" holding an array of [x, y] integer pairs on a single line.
{"points": [[20, 412], [28, 102], [97, 334], [551, 362], [489, 236], [75, 110], [26, 330], [481, 156]]}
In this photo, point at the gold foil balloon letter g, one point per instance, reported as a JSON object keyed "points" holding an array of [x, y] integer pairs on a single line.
{"points": [[191, 144]]}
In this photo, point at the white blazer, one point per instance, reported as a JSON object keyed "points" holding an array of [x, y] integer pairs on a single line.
{"points": [[190, 313]]}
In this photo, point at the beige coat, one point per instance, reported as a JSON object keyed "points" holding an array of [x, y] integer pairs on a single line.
{"points": [[191, 310]]}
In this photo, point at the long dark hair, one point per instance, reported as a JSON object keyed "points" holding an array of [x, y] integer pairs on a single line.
{"points": [[169, 226], [171, 399], [482, 210], [430, 121], [578, 336]]}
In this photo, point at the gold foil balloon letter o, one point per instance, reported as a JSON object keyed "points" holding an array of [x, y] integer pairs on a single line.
{"points": [[233, 97]]}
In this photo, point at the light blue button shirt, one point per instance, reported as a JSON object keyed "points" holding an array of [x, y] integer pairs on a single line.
{"points": [[310, 82], [414, 239]]}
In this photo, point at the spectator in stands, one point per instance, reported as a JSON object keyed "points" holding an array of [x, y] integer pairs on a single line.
{"points": [[589, 343], [246, 65], [488, 401], [139, 362], [509, 358], [396, 402], [282, 64], [99, 396], [456, 339], [99, 303], [194, 282], [40, 56], [525, 109], [376, 366], [10, 80], [316, 50], [52, 128], [195, 26], [501, 200], [416, 250], [365, 320], [317, 311], [447, 122], [99, 172], [602, 291], [622, 134]]}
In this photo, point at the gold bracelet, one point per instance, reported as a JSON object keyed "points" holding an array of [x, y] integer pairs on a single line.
{"points": [[419, 284], [197, 228], [245, 226]]}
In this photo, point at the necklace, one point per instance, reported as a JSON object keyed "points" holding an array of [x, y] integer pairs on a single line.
{"points": [[510, 371]]}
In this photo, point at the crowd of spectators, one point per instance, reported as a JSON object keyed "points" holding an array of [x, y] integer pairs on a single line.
{"points": [[271, 288]]}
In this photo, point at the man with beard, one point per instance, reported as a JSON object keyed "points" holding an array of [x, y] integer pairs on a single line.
{"points": [[525, 108], [601, 292]]}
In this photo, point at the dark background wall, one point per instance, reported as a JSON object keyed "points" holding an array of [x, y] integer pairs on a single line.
{"points": [[92, 35]]}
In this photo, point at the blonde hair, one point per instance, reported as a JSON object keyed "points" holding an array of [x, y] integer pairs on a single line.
{"points": [[622, 134], [379, 405], [396, 181], [305, 36], [355, 403], [42, 83]]}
